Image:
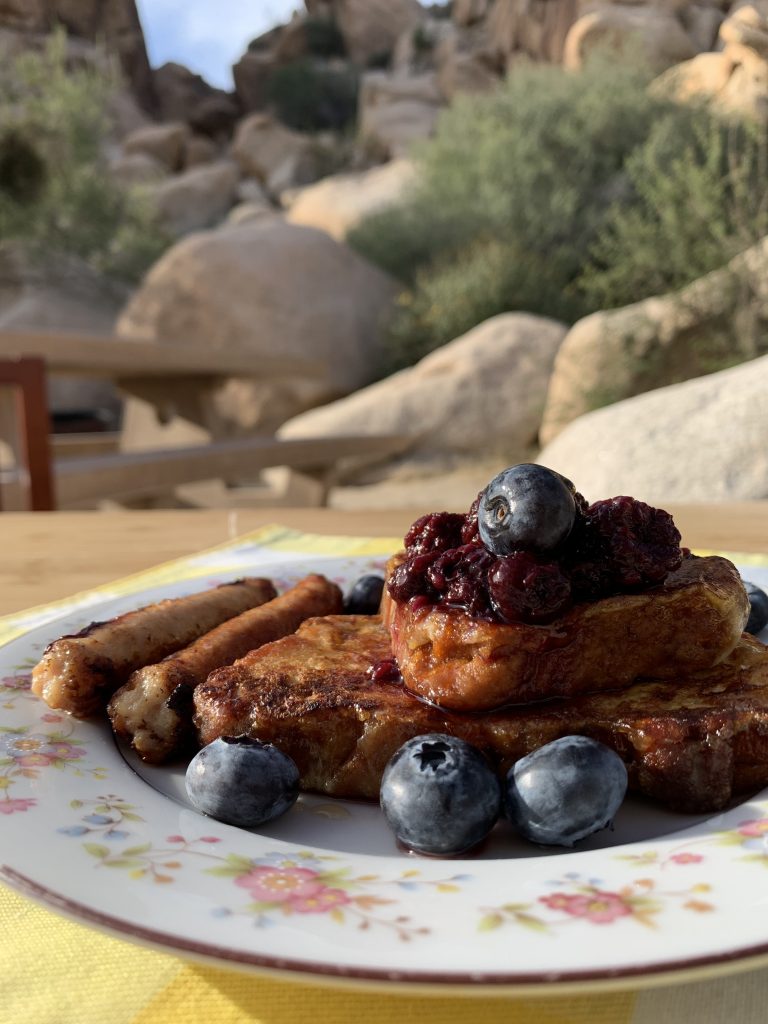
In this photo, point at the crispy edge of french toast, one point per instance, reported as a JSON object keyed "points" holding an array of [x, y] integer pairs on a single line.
{"points": [[688, 624], [690, 743]]}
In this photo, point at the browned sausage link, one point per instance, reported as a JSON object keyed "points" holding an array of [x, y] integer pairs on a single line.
{"points": [[78, 673], [154, 708]]}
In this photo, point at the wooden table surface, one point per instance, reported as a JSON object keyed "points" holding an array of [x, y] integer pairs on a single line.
{"points": [[49, 555]]}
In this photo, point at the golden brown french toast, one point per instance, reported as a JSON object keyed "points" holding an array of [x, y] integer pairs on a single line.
{"points": [[687, 624], [691, 741]]}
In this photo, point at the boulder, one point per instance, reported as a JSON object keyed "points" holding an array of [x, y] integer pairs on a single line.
{"points": [[479, 396], [720, 319], [275, 155], [464, 70], [537, 28], [397, 110], [131, 169], [468, 12], [164, 142], [199, 149], [338, 203], [28, 15], [271, 288], [196, 199], [662, 37], [187, 97], [734, 80], [116, 24], [702, 440], [251, 75], [251, 191], [371, 27], [248, 211], [391, 131]]}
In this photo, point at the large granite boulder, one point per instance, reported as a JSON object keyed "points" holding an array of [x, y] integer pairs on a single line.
{"points": [[662, 37], [703, 440], [478, 397], [273, 154], [371, 27], [537, 28], [396, 111], [164, 142], [735, 78], [718, 320], [198, 198], [185, 96], [272, 289], [113, 23], [338, 203]]}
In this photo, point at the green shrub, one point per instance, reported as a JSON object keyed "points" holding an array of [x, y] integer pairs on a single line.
{"points": [[55, 193], [530, 169], [309, 96], [699, 196], [561, 194]]}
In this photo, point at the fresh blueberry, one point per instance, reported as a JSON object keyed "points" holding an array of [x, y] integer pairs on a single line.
{"points": [[527, 507], [365, 596], [439, 796], [242, 781], [565, 790], [758, 609]]}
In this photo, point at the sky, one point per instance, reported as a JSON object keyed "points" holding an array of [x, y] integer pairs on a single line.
{"points": [[208, 36]]}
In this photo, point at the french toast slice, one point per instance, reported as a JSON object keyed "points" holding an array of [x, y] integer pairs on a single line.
{"points": [[691, 742], [687, 624]]}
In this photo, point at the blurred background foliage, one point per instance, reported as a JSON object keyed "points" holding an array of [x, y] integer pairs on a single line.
{"points": [[55, 191], [561, 194]]}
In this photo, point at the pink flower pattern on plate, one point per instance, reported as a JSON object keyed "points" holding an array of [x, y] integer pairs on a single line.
{"points": [[598, 906]]}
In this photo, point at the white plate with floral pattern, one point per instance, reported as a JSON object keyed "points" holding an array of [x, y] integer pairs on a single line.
{"points": [[326, 893]]}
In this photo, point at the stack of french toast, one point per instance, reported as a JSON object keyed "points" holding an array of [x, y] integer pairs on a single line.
{"points": [[654, 666]]}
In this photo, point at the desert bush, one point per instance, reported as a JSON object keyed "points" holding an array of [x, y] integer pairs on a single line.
{"points": [[310, 96], [561, 194], [55, 192], [699, 196], [530, 169]]}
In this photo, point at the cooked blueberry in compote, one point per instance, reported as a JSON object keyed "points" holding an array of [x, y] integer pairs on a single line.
{"points": [[526, 508], [531, 546]]}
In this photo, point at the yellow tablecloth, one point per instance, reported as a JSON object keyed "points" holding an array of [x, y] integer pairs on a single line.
{"points": [[55, 971]]}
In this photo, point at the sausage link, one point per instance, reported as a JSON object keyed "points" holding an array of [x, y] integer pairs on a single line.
{"points": [[78, 673], [154, 708]]}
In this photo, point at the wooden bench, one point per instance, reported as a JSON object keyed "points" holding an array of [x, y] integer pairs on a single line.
{"points": [[139, 367]]}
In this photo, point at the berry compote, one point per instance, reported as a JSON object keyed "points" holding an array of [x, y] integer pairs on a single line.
{"points": [[619, 545]]}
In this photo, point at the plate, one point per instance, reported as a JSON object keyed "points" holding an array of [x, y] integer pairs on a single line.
{"points": [[325, 892]]}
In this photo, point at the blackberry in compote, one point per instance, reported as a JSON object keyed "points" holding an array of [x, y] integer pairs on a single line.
{"points": [[524, 588]]}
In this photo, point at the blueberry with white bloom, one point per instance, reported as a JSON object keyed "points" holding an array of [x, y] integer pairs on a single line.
{"points": [[758, 609], [241, 781], [439, 795], [526, 507], [565, 790]]}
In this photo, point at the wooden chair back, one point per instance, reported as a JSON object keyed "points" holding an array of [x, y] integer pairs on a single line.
{"points": [[29, 427]]}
